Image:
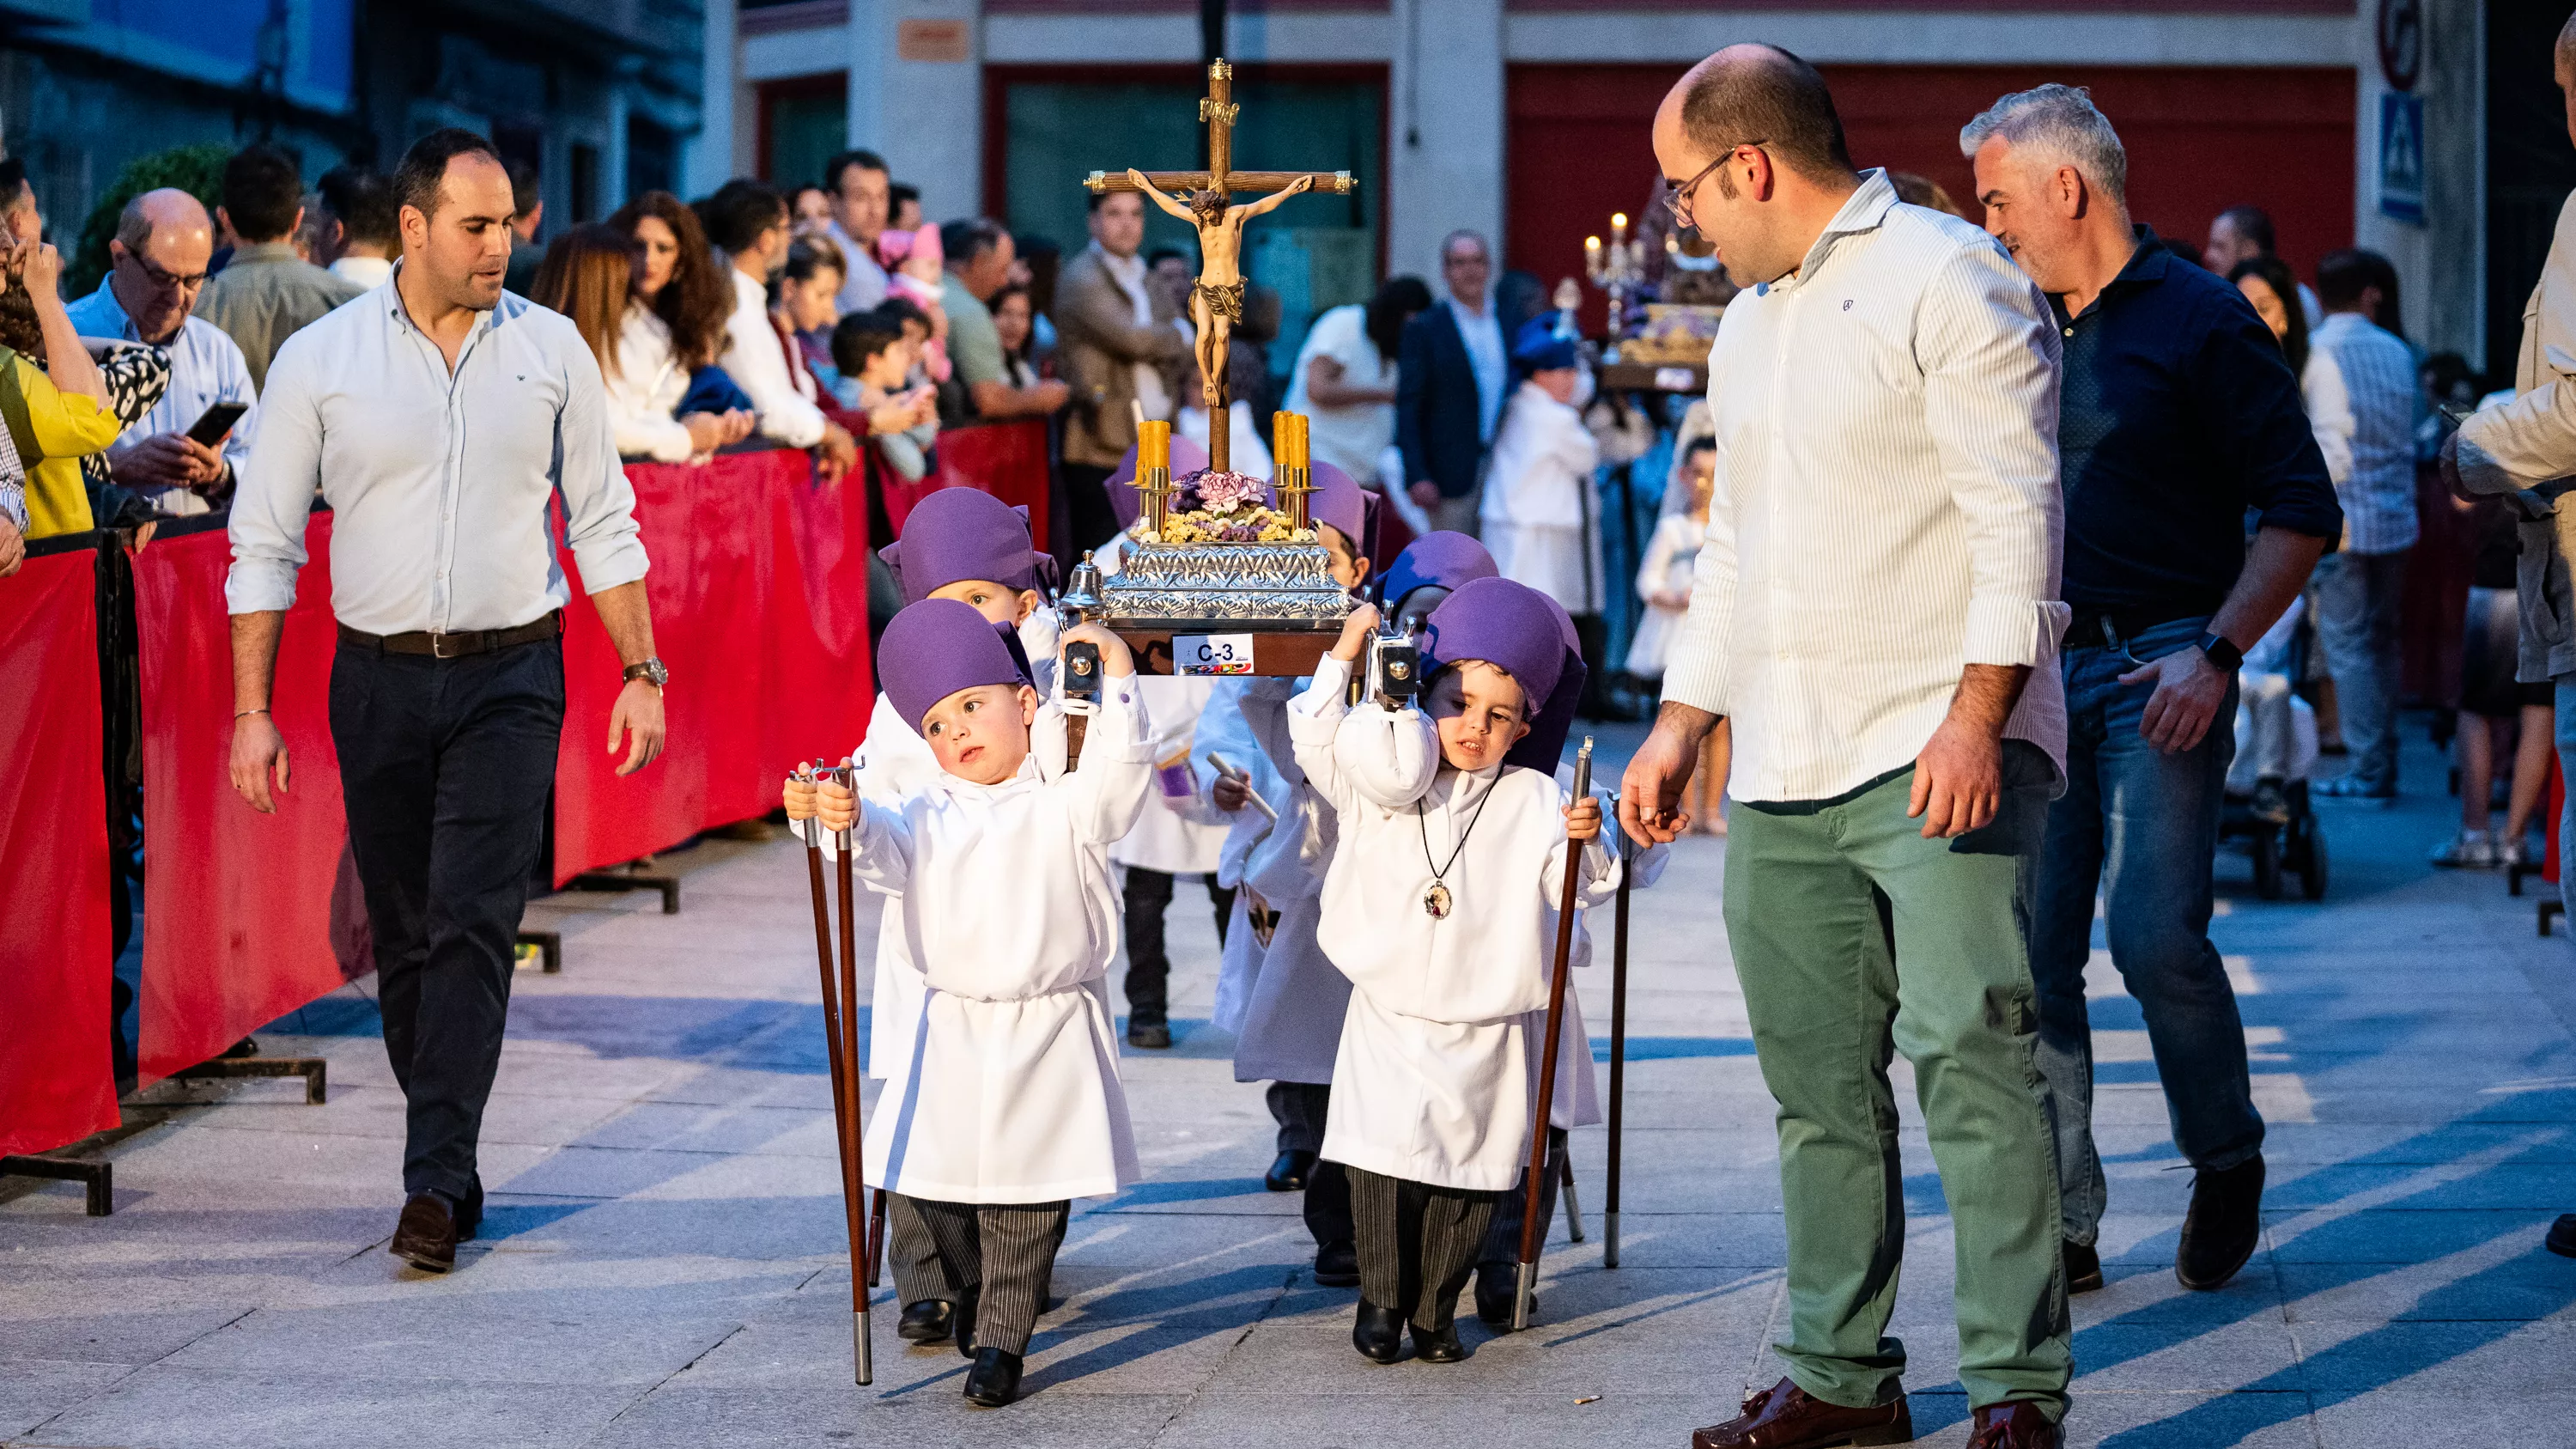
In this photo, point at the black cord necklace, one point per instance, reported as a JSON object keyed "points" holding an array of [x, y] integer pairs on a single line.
{"points": [[1435, 901]]}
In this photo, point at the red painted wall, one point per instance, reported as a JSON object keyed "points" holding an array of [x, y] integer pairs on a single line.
{"points": [[2199, 139]]}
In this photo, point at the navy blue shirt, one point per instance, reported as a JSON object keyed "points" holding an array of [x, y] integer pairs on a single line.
{"points": [[2179, 414]]}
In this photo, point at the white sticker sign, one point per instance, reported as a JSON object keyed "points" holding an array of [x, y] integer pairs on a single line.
{"points": [[1197, 654]]}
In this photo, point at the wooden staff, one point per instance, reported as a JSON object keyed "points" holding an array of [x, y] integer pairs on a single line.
{"points": [[841, 1020], [1618, 1047], [877, 1240], [1533, 1223]]}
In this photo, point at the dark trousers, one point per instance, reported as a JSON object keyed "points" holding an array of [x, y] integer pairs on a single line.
{"points": [[1149, 970], [1086, 504], [445, 768], [1417, 1243], [1300, 1108], [1502, 1251], [912, 1254], [998, 1258]]}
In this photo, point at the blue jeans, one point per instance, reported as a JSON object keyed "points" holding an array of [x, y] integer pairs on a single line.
{"points": [[2358, 598], [2142, 826]]}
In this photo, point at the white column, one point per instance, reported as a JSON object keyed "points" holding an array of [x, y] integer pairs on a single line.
{"points": [[709, 158], [614, 185], [2441, 261], [919, 103], [1445, 129]]}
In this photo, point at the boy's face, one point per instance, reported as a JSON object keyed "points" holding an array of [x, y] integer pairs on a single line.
{"points": [[1350, 566], [1703, 474], [997, 604], [1477, 709], [981, 735], [889, 366]]}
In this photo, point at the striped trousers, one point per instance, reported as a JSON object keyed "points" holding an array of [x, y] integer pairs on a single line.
{"points": [[1417, 1243], [911, 1254], [998, 1259]]}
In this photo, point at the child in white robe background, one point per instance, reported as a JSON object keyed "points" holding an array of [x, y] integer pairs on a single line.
{"points": [[1009, 1102], [1442, 880], [966, 545], [1538, 515]]}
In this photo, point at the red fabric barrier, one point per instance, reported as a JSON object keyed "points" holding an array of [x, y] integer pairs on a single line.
{"points": [[237, 905], [759, 590], [57, 1079], [1007, 460]]}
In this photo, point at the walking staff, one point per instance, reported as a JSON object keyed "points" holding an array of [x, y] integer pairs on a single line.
{"points": [[1618, 1043], [840, 1050], [442, 419], [1533, 1218]]}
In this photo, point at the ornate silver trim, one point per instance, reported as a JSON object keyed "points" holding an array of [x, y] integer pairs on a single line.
{"points": [[1160, 584]]}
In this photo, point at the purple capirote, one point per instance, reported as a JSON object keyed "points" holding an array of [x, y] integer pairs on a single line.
{"points": [[1349, 508], [957, 534], [1544, 745], [937, 647], [1442, 560], [1126, 502], [1510, 626]]}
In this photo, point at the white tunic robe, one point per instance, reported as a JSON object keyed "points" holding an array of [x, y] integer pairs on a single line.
{"points": [[1009, 1092], [1538, 515], [1433, 1079], [892, 764], [1180, 834], [1223, 731]]}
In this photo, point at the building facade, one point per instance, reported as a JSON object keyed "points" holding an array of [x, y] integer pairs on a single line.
{"points": [[2354, 122], [598, 94]]}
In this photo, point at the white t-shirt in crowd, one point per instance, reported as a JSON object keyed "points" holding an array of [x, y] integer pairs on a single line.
{"points": [[1350, 438]]}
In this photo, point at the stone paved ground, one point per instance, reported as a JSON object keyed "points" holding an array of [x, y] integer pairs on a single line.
{"points": [[663, 1263]]}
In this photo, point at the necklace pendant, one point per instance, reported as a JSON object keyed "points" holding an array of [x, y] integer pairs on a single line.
{"points": [[1435, 902]]}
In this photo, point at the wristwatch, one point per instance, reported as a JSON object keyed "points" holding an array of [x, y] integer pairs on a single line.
{"points": [[2225, 656], [651, 671]]}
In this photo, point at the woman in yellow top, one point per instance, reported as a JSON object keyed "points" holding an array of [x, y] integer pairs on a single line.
{"points": [[55, 412]]}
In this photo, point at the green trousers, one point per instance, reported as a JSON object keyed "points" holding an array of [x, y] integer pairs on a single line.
{"points": [[1855, 938]]}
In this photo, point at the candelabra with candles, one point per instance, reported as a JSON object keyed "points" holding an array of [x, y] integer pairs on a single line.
{"points": [[1293, 468], [1154, 473], [1617, 269]]}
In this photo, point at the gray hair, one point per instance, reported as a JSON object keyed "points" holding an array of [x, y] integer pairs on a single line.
{"points": [[2061, 122]]}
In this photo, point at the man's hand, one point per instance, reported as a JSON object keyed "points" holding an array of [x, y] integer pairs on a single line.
{"points": [[1958, 780], [13, 548], [1583, 820], [2448, 462], [1426, 494], [1357, 626], [637, 718], [1650, 792], [834, 456], [259, 758], [2188, 691], [166, 460]]}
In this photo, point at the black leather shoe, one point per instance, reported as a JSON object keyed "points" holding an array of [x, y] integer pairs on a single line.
{"points": [[1378, 1333], [962, 1320], [1290, 1172], [469, 1213], [426, 1235], [928, 1321], [2013, 1426], [1337, 1265], [1440, 1347], [2083, 1268], [1785, 1416], [2223, 1227], [1494, 1300], [1150, 1035], [2562, 1236], [994, 1380]]}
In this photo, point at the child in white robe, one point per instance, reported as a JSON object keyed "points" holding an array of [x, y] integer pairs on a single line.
{"points": [[1436, 903], [1009, 1103], [966, 545]]}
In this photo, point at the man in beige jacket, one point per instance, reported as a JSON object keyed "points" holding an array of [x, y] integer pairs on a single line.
{"points": [[1119, 348], [2526, 451]]}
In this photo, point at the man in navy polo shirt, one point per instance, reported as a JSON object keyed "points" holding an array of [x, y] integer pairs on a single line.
{"points": [[2178, 416]]}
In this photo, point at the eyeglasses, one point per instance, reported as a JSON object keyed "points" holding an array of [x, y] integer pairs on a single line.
{"points": [[166, 281], [1678, 200]]}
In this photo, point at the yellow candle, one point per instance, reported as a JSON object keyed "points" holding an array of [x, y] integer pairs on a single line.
{"points": [[1153, 445]]}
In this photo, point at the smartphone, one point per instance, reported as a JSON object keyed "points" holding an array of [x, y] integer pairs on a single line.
{"points": [[215, 421]]}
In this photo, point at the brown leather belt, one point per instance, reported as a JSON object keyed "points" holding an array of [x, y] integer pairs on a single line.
{"points": [[455, 646]]}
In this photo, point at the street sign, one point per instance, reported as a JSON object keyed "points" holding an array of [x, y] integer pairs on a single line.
{"points": [[2401, 156]]}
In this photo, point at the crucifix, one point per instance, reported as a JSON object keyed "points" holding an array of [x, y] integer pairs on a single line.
{"points": [[1216, 298]]}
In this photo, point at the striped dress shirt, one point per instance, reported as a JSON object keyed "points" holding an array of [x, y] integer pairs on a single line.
{"points": [[2378, 496], [1887, 508]]}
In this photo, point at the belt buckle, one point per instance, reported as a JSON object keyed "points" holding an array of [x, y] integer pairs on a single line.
{"points": [[438, 646]]}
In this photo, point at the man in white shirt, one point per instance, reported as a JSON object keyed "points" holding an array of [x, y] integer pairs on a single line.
{"points": [[861, 197], [359, 233], [442, 421], [747, 222], [1876, 615]]}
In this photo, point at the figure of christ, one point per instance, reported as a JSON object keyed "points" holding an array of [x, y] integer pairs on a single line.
{"points": [[1216, 298]]}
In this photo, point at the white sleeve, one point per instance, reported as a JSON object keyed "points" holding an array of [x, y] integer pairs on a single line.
{"points": [[2330, 413], [1108, 788], [1314, 718], [757, 362], [1387, 758]]}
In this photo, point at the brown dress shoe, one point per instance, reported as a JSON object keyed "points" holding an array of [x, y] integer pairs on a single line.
{"points": [[1785, 1416], [426, 1236], [2013, 1426]]}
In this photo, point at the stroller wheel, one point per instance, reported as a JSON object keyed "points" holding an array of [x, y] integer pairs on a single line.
{"points": [[2312, 869], [2267, 863]]}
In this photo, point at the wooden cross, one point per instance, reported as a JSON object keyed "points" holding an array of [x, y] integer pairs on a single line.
{"points": [[1199, 197]]}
